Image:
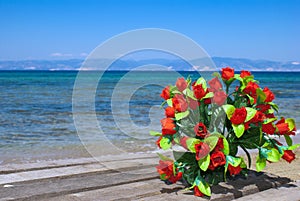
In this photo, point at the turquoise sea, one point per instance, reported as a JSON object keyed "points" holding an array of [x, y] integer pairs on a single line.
{"points": [[36, 108]]}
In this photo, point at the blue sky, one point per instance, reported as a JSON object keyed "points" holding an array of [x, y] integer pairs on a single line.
{"points": [[58, 29]]}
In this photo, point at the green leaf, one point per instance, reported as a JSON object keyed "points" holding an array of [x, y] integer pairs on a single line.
{"points": [[234, 161], [175, 91], [204, 163], [165, 143], [163, 177], [189, 93], [229, 110], [263, 152], [238, 77], [269, 120], [273, 155], [208, 95], [251, 99], [291, 123], [226, 146], [211, 141], [202, 81], [260, 163], [154, 133], [203, 186], [288, 140], [250, 113], [238, 130], [169, 102], [274, 106], [261, 96], [164, 158], [191, 144], [181, 115], [293, 147]]}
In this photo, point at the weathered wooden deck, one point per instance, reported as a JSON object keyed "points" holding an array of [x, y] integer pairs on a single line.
{"points": [[124, 177]]}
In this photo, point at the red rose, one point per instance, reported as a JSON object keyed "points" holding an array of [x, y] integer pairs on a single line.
{"points": [[270, 116], [245, 73], [219, 97], [202, 150], [239, 116], [250, 89], [193, 104], [179, 103], [183, 142], [197, 192], [181, 84], [234, 170], [168, 126], [282, 127], [292, 132], [268, 128], [174, 178], [215, 84], [207, 101], [165, 94], [288, 155], [200, 130], [165, 168], [217, 159], [220, 145], [258, 117], [269, 94], [158, 142], [263, 107], [227, 73], [199, 92], [170, 112]]}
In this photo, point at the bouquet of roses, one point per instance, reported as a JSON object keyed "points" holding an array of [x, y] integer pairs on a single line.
{"points": [[209, 124]]}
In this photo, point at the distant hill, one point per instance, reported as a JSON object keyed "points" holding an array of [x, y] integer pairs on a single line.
{"points": [[179, 65]]}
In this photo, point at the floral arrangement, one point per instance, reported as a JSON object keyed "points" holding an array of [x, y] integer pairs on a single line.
{"points": [[209, 124]]}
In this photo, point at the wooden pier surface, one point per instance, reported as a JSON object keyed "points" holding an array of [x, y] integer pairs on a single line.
{"points": [[125, 177]]}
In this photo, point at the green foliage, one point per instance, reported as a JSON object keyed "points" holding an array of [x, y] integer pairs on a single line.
{"points": [[261, 96], [234, 161], [204, 162], [164, 158], [273, 155], [202, 81], [191, 144], [288, 140], [154, 133], [189, 93], [211, 141], [238, 130], [250, 113], [203, 186], [260, 163], [291, 123], [229, 110], [181, 115], [165, 143]]}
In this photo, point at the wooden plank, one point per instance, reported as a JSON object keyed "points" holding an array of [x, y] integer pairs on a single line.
{"points": [[119, 166], [44, 188], [11, 168]]}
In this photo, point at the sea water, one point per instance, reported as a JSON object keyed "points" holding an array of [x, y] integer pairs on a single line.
{"points": [[36, 107]]}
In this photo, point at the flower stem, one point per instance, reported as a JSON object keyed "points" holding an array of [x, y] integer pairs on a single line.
{"points": [[248, 155]]}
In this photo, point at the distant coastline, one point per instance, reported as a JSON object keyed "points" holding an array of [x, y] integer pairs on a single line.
{"points": [[127, 65]]}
